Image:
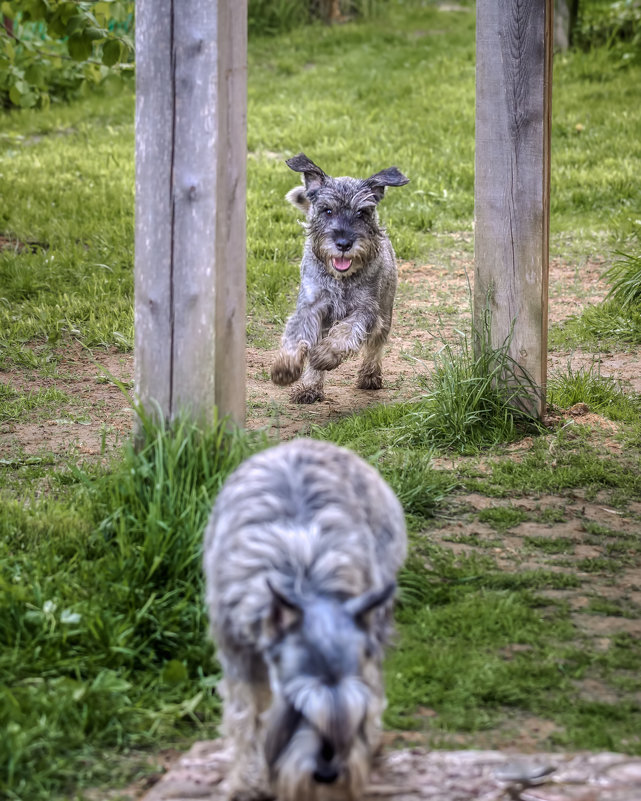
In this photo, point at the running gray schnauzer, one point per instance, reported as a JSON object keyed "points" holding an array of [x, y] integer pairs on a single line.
{"points": [[348, 281], [300, 558]]}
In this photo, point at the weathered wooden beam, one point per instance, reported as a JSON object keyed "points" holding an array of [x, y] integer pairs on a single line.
{"points": [[191, 78], [512, 186]]}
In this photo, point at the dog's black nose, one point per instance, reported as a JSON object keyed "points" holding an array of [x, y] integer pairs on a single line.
{"points": [[325, 774], [326, 771], [343, 243]]}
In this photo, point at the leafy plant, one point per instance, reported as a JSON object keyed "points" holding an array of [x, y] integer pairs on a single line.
{"points": [[59, 48], [270, 17], [613, 24]]}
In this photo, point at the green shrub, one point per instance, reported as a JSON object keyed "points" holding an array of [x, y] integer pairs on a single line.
{"points": [[613, 24], [59, 49]]}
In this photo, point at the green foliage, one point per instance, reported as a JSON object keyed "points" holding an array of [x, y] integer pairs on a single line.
{"points": [[75, 281], [14, 404], [565, 462], [102, 629], [615, 25], [475, 397], [271, 17], [502, 518], [374, 434], [59, 49], [453, 627], [603, 327]]}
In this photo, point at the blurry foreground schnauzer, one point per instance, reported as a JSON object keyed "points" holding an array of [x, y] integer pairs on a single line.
{"points": [[348, 281], [301, 554]]}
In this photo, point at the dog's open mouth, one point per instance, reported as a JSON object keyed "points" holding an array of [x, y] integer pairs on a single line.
{"points": [[341, 263]]}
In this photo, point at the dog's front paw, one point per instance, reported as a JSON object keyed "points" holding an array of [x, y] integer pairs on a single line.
{"points": [[325, 356], [370, 382], [370, 377], [307, 395], [288, 367]]}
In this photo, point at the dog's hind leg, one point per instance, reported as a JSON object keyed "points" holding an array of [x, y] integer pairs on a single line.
{"points": [[310, 388]]}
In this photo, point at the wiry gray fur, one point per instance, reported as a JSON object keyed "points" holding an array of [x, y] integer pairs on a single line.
{"points": [[301, 554], [340, 309]]}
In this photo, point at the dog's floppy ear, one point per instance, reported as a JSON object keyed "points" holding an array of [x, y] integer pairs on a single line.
{"points": [[313, 175], [298, 197], [392, 176], [359, 607], [285, 611]]}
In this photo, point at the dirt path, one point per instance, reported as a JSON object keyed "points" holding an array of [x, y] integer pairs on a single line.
{"points": [[432, 304]]}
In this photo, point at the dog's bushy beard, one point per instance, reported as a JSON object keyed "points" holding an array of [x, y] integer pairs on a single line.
{"points": [[315, 743], [362, 252]]}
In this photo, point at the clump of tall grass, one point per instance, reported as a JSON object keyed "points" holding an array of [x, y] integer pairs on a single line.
{"points": [[618, 318], [602, 394], [624, 278], [476, 396], [103, 638]]}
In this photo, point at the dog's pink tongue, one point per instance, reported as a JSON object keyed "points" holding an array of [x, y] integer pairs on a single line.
{"points": [[341, 263]]}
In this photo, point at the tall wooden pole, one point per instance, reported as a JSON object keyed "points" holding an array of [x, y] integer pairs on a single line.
{"points": [[512, 187], [191, 78]]}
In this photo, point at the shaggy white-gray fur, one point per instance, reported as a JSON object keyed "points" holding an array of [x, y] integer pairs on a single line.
{"points": [[348, 281], [301, 554]]}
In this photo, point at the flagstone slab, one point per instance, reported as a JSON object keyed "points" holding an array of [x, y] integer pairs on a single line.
{"points": [[417, 774]]}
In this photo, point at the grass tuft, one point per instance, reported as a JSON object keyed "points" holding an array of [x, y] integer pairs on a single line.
{"points": [[477, 397], [625, 279], [602, 394]]}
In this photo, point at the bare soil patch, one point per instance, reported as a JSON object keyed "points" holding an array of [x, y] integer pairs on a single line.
{"points": [[433, 305]]}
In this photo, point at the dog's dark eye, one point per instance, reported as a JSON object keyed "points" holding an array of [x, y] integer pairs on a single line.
{"points": [[328, 212]]}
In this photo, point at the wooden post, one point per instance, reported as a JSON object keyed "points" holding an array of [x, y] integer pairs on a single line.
{"points": [[191, 78], [512, 186]]}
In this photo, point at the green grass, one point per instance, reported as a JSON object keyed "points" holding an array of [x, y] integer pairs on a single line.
{"points": [[570, 461], [602, 328], [603, 395], [395, 89], [617, 320], [13, 405], [474, 398], [502, 518], [624, 278], [103, 649], [475, 653], [102, 625]]}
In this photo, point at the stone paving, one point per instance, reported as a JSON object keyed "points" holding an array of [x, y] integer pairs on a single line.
{"points": [[412, 775]]}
